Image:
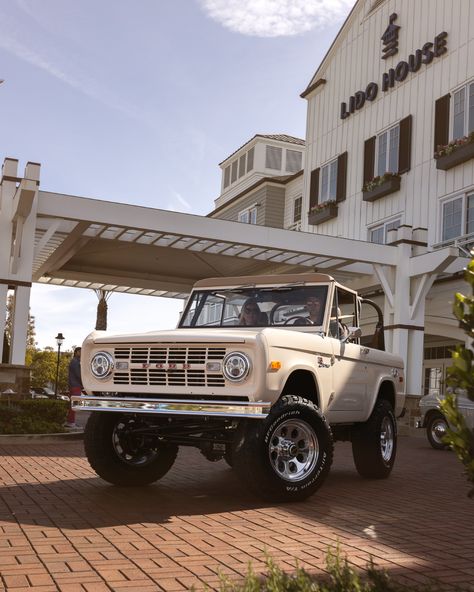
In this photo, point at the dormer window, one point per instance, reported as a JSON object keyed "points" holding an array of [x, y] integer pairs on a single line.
{"points": [[294, 161], [273, 158], [239, 167], [250, 155]]}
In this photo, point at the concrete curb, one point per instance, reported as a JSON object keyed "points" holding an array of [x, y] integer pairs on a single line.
{"points": [[41, 438]]}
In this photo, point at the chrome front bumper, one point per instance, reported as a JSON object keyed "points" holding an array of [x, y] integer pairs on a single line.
{"points": [[256, 410]]}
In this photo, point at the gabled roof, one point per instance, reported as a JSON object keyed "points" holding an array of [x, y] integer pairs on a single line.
{"points": [[278, 137], [315, 80]]}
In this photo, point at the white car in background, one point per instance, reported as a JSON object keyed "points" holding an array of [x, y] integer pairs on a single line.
{"points": [[436, 423]]}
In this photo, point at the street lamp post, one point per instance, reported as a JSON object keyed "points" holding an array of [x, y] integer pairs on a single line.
{"points": [[59, 340]]}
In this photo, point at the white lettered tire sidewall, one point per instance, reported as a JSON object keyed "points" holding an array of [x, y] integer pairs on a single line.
{"points": [[252, 453]]}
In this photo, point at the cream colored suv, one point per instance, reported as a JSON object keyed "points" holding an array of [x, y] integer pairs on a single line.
{"points": [[266, 372]]}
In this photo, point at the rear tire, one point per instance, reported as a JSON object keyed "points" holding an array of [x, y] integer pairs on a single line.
{"points": [[120, 455], [374, 443], [286, 456], [436, 429]]}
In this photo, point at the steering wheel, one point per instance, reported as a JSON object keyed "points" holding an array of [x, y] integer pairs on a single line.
{"points": [[303, 320]]}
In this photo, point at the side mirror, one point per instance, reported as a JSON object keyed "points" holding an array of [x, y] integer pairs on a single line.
{"points": [[353, 333]]}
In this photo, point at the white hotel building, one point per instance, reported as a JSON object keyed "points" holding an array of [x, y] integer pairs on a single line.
{"points": [[397, 83]]}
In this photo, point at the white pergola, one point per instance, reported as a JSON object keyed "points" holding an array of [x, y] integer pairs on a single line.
{"points": [[88, 243]]}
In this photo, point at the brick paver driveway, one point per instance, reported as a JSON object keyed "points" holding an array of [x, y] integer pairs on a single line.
{"points": [[63, 528]]}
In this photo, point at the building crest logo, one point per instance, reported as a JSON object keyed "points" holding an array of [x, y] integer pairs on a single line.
{"points": [[390, 38]]}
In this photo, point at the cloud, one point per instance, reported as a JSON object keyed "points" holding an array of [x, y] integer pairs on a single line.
{"points": [[179, 204], [276, 18]]}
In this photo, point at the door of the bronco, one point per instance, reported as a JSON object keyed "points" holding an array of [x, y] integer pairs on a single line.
{"points": [[350, 373]]}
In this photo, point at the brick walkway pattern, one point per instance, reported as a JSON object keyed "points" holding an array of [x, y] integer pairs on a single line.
{"points": [[63, 528]]}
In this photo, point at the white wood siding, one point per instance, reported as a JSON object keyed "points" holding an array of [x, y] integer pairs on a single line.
{"points": [[354, 63], [294, 189]]}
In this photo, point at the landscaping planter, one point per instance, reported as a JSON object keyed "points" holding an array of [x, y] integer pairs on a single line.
{"points": [[322, 215], [389, 186], [458, 156]]}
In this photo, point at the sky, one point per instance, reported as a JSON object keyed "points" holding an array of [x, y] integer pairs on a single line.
{"points": [[137, 101]]}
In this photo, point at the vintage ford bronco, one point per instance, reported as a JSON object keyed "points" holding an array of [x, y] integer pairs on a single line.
{"points": [[265, 372]]}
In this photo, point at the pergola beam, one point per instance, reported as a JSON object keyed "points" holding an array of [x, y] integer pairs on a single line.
{"points": [[207, 229]]}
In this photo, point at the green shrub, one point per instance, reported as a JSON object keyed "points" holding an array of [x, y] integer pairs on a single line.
{"points": [[35, 416], [460, 377], [340, 577]]}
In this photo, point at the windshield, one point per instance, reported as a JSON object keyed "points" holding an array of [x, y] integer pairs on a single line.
{"points": [[256, 307]]}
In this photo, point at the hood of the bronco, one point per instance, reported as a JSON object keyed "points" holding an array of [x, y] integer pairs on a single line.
{"points": [[200, 335]]}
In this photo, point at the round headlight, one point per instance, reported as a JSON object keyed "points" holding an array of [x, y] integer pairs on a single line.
{"points": [[236, 366], [102, 365]]}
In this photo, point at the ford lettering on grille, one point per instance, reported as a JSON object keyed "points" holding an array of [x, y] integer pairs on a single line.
{"points": [[174, 366]]}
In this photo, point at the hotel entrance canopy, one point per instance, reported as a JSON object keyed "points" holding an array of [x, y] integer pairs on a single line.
{"points": [[125, 248]]}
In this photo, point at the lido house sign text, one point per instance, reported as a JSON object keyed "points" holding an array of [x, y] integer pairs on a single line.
{"points": [[425, 55]]}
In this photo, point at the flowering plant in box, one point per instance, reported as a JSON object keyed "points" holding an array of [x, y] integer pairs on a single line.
{"points": [[380, 180], [454, 145], [321, 206]]}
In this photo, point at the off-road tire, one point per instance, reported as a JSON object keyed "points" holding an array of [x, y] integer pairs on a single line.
{"points": [[435, 422], [286, 456], [374, 443], [121, 459]]}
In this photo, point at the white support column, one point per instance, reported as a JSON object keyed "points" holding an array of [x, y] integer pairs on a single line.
{"points": [[386, 276], [3, 307], [405, 297], [401, 314], [18, 204], [404, 311], [20, 324]]}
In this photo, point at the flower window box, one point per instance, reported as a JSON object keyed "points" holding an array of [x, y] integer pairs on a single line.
{"points": [[322, 213], [455, 153], [381, 186]]}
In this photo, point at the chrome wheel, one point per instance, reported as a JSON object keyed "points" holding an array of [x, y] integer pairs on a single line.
{"points": [[131, 447], [293, 450], [386, 438], [438, 429]]}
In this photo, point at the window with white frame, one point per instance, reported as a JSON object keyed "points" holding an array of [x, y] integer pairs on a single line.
{"points": [[226, 176], [457, 217], [248, 216], [273, 157], [238, 168], [297, 204], [250, 155], [387, 151], [294, 159], [463, 112], [328, 182], [242, 161], [379, 234]]}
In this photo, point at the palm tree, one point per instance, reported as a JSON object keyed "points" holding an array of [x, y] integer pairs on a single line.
{"points": [[101, 322]]}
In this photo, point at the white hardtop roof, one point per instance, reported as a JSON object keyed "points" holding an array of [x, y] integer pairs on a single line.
{"points": [[264, 280]]}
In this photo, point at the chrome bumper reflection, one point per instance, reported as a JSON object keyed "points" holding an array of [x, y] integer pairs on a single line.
{"points": [[258, 410]]}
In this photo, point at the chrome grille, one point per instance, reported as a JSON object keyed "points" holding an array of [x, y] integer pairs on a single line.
{"points": [[173, 366]]}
